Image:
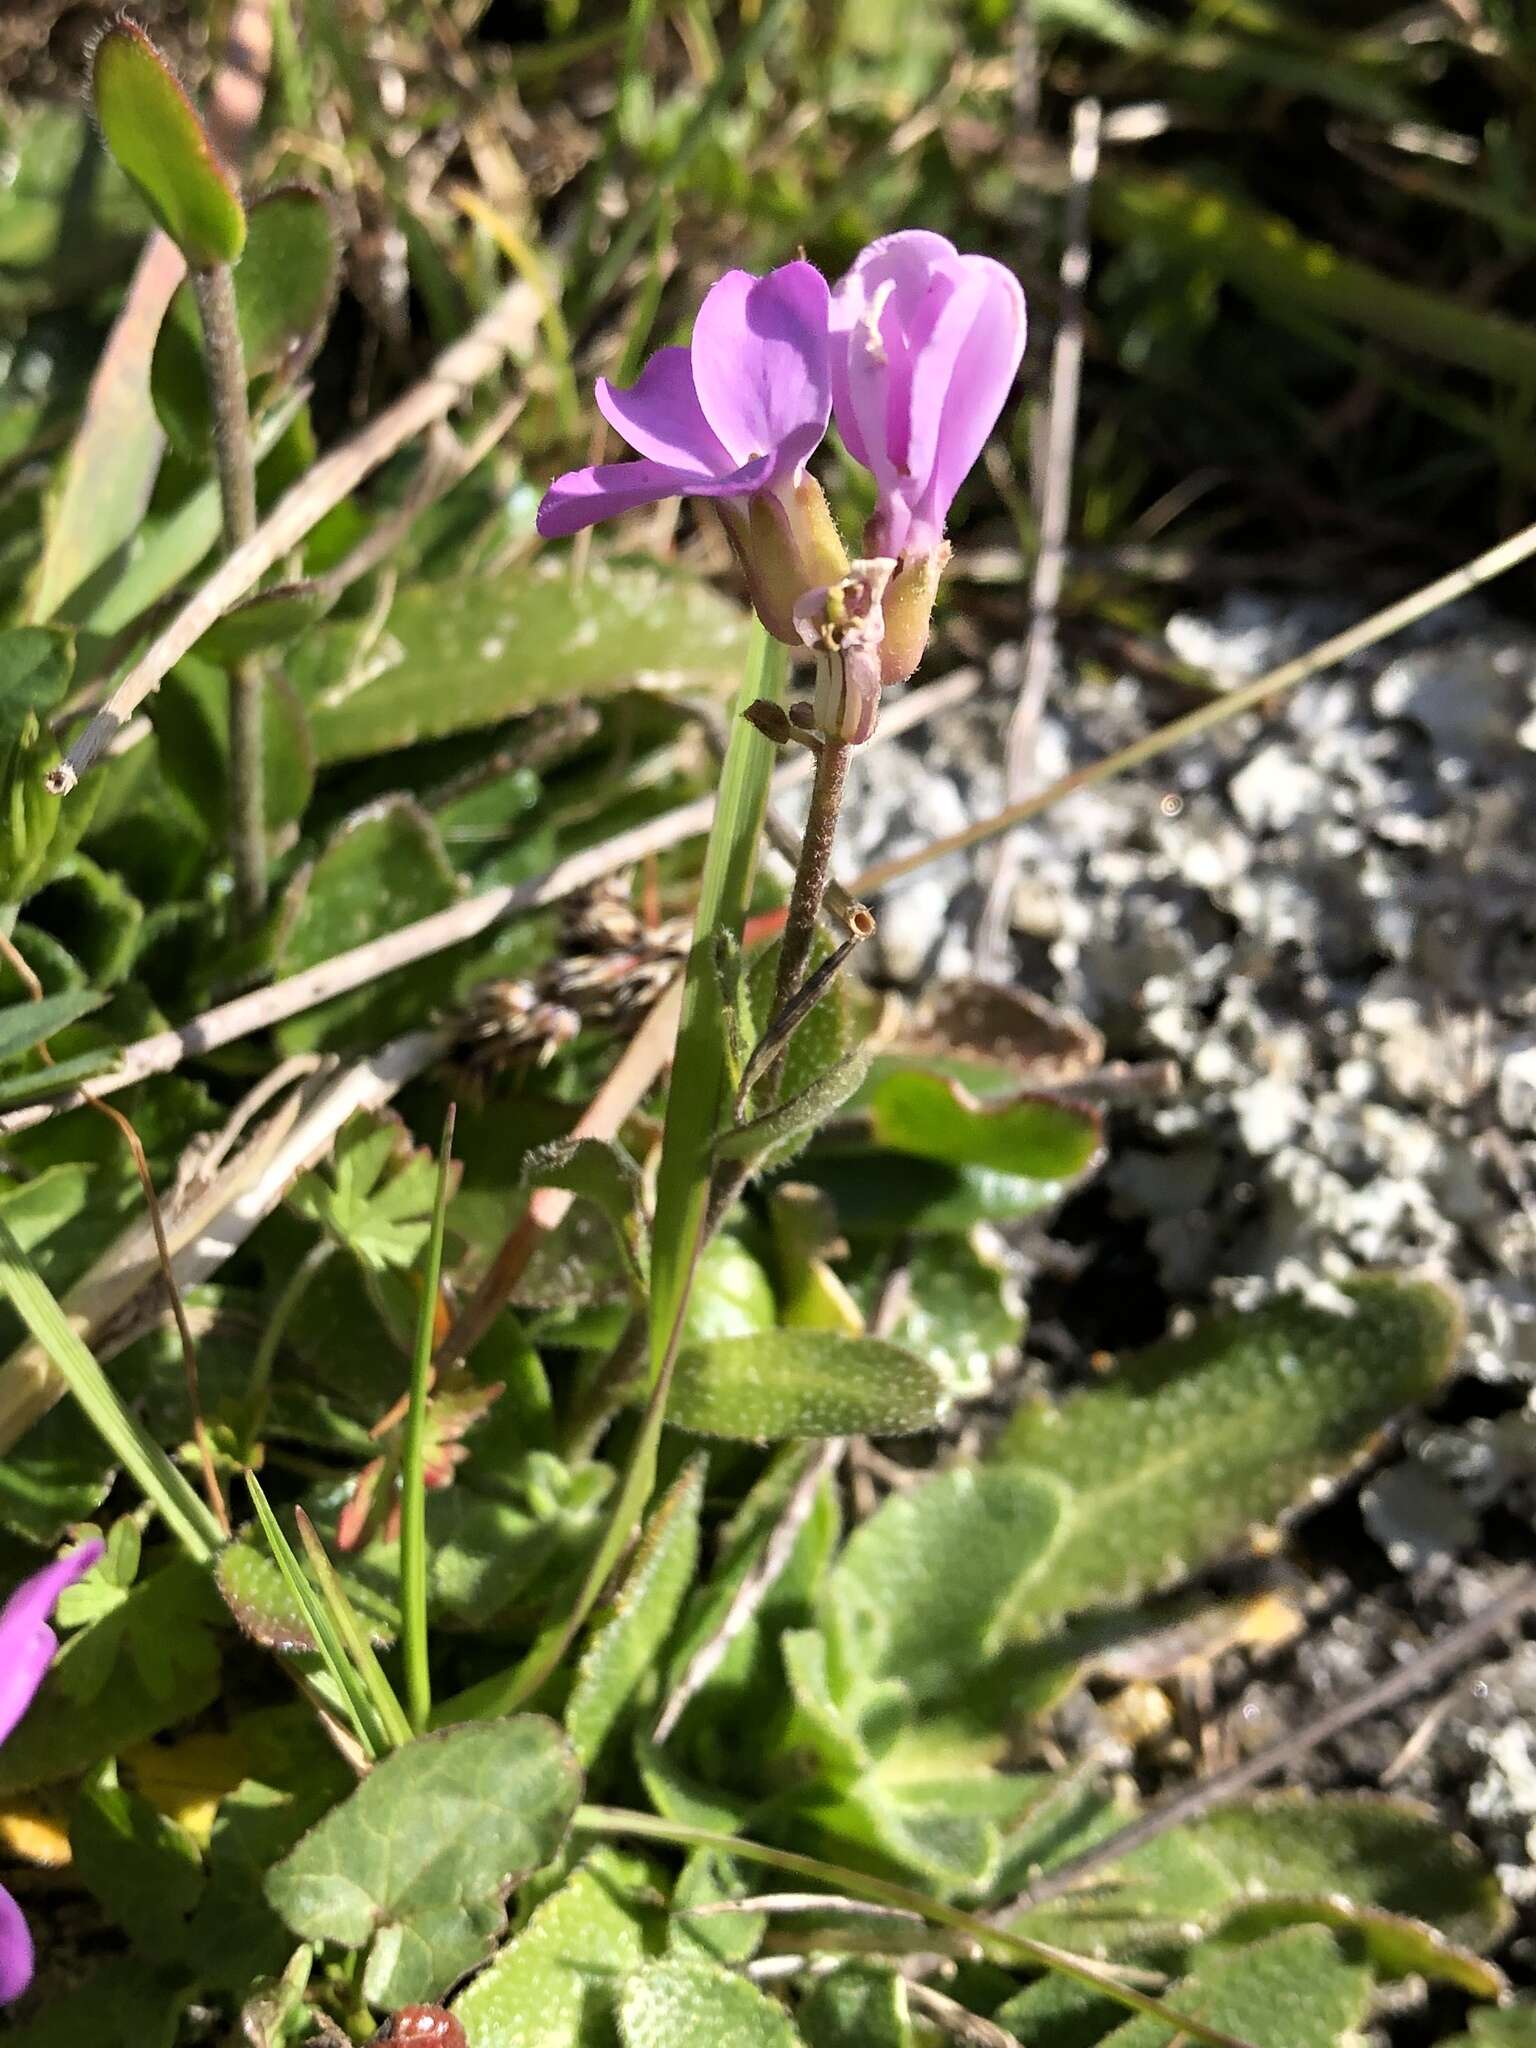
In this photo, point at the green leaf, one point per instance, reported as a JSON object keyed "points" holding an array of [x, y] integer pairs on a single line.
{"points": [[417, 1861], [694, 1110], [285, 284], [379, 1198], [1200, 1439], [1295, 279], [786, 1383], [554, 1984], [1512, 2027], [1417, 1898], [1059, 2012], [455, 656], [603, 1174], [23, 1025], [163, 1483], [921, 1587], [152, 129], [143, 1868], [886, 1195], [961, 1308], [148, 1663], [41, 1082], [383, 868], [732, 1293], [778, 1133], [860, 2005], [932, 1117], [262, 1602], [273, 618], [1292, 1991], [36, 663], [687, 2003], [190, 713], [629, 1643]]}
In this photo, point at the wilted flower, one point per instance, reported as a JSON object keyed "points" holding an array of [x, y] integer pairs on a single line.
{"points": [[733, 417], [844, 624], [925, 346], [27, 1647]]}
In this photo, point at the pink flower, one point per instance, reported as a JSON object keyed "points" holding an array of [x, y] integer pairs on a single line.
{"points": [[925, 346], [734, 417], [27, 1647]]}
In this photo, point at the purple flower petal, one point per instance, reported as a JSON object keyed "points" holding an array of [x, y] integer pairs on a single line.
{"points": [[761, 365], [881, 297], [15, 1950], [582, 497], [27, 1643], [926, 343], [660, 416], [961, 378]]}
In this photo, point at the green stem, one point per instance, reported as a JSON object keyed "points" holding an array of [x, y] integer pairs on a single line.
{"points": [[224, 360], [259, 1387], [413, 1458], [611, 1820]]}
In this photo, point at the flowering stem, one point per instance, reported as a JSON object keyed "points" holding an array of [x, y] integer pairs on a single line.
{"points": [[811, 875], [224, 360]]}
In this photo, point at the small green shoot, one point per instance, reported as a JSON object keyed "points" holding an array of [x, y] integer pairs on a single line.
{"points": [[413, 1484]]}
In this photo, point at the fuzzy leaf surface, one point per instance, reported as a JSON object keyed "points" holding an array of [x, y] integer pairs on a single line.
{"points": [[1200, 1439], [417, 1861], [792, 1383]]}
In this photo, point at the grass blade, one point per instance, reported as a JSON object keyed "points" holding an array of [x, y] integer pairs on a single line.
{"points": [[694, 1114], [359, 1706], [353, 1636], [187, 1518], [413, 1484]]}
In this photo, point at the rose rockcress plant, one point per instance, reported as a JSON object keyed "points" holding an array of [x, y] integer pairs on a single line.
{"points": [[914, 353]]}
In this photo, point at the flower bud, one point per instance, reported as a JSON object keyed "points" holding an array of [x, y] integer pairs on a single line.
{"points": [[909, 612], [787, 543]]}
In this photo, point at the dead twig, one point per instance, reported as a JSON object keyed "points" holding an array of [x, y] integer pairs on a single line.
{"points": [[1055, 520], [1432, 1662]]}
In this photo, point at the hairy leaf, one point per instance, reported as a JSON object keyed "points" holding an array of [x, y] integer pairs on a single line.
{"points": [[629, 1643], [920, 1588], [1197, 1441], [416, 1862], [1293, 1991], [786, 1383], [554, 1985], [152, 129], [454, 656], [684, 2003], [860, 2005]]}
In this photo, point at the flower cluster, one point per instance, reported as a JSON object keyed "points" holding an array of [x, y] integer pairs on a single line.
{"points": [[914, 353], [27, 1647]]}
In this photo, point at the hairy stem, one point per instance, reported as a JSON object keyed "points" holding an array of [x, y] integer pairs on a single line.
{"points": [[811, 875], [224, 358]]}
